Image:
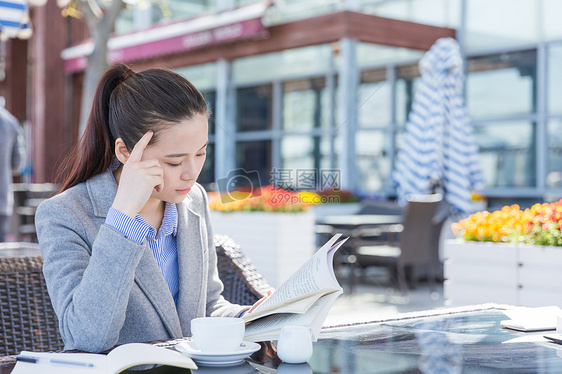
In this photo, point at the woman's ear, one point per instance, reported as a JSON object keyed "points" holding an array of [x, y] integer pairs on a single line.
{"points": [[121, 151]]}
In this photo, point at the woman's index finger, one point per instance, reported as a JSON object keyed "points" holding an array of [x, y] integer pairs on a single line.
{"points": [[138, 149]]}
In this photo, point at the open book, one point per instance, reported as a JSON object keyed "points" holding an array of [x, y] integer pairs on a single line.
{"points": [[304, 299], [119, 359]]}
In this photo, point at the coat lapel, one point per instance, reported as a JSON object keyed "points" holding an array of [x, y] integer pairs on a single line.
{"points": [[150, 280], [192, 266], [148, 276]]}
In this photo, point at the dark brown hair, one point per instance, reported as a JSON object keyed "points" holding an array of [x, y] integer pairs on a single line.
{"points": [[127, 105]]}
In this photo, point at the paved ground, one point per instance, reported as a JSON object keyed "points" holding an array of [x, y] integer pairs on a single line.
{"points": [[374, 297]]}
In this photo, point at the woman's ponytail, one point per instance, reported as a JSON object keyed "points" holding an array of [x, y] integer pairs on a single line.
{"points": [[94, 153]]}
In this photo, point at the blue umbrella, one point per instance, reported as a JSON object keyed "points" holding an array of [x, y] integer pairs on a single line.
{"points": [[13, 17], [439, 148]]}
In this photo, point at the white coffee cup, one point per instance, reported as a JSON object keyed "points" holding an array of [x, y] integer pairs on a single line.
{"points": [[295, 344], [217, 334]]}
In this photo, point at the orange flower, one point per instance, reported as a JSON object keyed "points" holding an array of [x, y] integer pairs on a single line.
{"points": [[264, 199], [540, 224]]}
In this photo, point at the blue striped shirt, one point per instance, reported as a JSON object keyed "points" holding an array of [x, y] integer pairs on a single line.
{"points": [[162, 243]]}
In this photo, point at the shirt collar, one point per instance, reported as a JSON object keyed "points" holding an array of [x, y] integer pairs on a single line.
{"points": [[170, 222]]}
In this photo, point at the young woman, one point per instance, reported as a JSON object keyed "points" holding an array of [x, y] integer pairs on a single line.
{"points": [[127, 245]]}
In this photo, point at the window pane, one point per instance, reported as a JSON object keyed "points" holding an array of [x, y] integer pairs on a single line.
{"points": [[307, 61], [554, 160], [207, 175], [503, 84], [204, 76], [374, 99], [305, 105], [507, 153], [554, 79], [408, 78], [163, 11], [253, 108], [187, 9], [125, 22], [373, 163], [301, 154], [551, 19], [255, 158], [500, 23], [444, 13], [211, 100]]}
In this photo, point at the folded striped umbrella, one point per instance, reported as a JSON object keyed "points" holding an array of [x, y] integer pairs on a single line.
{"points": [[13, 17], [439, 147]]}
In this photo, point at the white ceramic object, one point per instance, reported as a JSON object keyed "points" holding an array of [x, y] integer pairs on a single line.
{"points": [[217, 334], [295, 344], [219, 359]]}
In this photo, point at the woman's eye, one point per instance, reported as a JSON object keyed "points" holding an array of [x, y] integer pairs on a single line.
{"points": [[174, 165], [200, 154]]}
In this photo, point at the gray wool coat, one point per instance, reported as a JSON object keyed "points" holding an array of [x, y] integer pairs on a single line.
{"points": [[107, 289]]}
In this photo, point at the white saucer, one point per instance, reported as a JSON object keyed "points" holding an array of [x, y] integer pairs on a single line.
{"points": [[191, 350]]}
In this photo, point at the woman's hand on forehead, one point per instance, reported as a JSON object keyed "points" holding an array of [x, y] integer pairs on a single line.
{"points": [[138, 179]]}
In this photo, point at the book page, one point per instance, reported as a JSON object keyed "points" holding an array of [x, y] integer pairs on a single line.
{"points": [[133, 354], [269, 328], [119, 359], [314, 277], [62, 363], [299, 306]]}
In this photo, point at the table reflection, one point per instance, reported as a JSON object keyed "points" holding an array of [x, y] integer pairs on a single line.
{"points": [[470, 342]]}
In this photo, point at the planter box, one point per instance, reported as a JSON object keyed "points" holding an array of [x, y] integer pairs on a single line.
{"points": [[276, 243], [514, 274]]}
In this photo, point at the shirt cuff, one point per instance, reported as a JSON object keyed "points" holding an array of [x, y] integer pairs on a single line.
{"points": [[242, 313], [133, 229]]}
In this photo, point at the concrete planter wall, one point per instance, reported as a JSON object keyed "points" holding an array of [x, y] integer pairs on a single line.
{"points": [[276, 243], [514, 274]]}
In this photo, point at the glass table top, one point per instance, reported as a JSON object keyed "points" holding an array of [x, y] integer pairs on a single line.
{"points": [[471, 342], [443, 341]]}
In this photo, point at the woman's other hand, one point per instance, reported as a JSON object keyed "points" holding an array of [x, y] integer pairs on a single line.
{"points": [[257, 303]]}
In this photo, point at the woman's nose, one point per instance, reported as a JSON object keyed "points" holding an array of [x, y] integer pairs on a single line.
{"points": [[189, 171]]}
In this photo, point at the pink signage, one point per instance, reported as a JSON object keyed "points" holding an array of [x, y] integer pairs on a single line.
{"points": [[183, 43]]}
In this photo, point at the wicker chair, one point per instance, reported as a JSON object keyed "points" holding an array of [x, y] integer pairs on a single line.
{"points": [[27, 319], [242, 283]]}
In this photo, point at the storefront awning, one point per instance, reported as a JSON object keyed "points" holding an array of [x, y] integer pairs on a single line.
{"points": [[238, 24], [14, 19]]}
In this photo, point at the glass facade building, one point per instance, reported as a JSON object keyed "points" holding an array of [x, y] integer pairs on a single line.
{"points": [[285, 110]]}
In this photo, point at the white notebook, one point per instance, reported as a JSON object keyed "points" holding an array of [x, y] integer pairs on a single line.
{"points": [[532, 319]]}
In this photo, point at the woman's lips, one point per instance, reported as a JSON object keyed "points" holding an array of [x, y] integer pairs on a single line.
{"points": [[185, 191]]}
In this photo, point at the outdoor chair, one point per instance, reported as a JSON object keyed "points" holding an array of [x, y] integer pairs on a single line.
{"points": [[27, 197], [417, 244], [27, 319], [381, 233], [380, 207], [242, 283]]}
